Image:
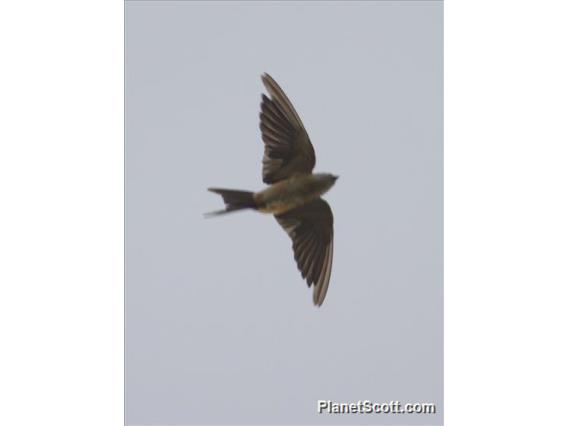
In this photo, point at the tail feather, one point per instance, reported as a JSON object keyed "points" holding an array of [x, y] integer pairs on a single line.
{"points": [[234, 200]]}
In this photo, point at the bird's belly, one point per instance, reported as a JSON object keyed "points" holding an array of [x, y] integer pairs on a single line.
{"points": [[282, 206], [284, 196]]}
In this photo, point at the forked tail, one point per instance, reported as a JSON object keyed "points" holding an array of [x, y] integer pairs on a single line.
{"points": [[234, 200]]}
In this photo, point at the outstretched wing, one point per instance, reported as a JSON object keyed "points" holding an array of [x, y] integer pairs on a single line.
{"points": [[287, 146], [311, 229]]}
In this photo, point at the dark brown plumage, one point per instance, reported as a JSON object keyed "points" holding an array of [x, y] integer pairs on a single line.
{"points": [[294, 192], [311, 229], [287, 146]]}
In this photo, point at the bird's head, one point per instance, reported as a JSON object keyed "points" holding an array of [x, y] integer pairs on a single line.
{"points": [[325, 181]]}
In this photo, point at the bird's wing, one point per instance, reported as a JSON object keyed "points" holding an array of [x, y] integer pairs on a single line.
{"points": [[311, 229], [287, 146]]}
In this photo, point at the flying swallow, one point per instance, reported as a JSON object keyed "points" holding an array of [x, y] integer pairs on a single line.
{"points": [[293, 196]]}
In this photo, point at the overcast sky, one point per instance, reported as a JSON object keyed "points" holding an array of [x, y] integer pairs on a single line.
{"points": [[220, 326]]}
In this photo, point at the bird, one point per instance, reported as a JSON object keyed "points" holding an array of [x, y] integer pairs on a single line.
{"points": [[294, 192]]}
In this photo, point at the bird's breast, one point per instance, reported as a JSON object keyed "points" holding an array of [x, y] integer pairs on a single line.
{"points": [[287, 195]]}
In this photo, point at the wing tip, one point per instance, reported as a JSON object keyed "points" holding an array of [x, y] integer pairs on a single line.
{"points": [[269, 83], [322, 284]]}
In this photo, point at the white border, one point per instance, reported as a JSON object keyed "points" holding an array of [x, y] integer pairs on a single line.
{"points": [[61, 215], [506, 212]]}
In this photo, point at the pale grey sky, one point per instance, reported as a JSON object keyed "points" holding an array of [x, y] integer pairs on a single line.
{"points": [[220, 326]]}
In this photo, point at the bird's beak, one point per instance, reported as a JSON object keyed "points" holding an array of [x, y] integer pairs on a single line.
{"points": [[335, 177]]}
